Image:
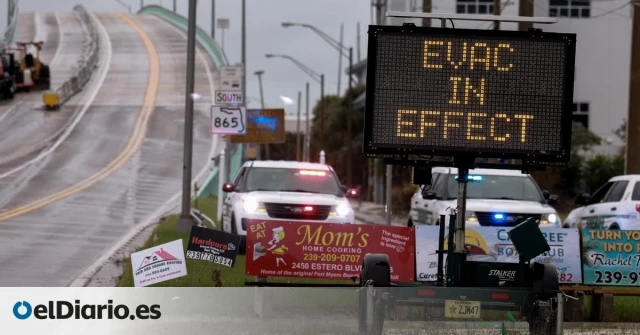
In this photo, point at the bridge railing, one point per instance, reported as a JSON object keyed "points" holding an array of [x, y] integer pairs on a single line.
{"points": [[9, 32], [76, 83]]}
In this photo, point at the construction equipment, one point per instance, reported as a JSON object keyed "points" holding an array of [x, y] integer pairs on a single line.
{"points": [[7, 76], [32, 73]]}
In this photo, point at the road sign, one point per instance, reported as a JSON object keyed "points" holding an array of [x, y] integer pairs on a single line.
{"points": [[228, 120], [229, 97], [486, 93], [230, 77], [232, 71], [223, 23], [263, 127]]}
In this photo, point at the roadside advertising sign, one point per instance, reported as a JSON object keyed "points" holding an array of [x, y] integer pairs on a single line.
{"points": [[158, 264], [213, 245], [492, 244], [325, 251], [611, 257], [264, 126]]}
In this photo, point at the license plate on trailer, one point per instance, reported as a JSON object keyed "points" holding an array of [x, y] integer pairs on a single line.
{"points": [[462, 309]]}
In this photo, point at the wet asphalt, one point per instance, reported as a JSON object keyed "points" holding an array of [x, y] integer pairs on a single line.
{"points": [[52, 245]]}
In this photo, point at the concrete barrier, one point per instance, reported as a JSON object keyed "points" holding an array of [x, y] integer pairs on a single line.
{"points": [[80, 78]]}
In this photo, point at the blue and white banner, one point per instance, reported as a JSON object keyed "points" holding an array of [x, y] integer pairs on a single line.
{"points": [[492, 244], [611, 257]]}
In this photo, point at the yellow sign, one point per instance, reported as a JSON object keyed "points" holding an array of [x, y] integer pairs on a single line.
{"points": [[264, 126], [462, 309]]}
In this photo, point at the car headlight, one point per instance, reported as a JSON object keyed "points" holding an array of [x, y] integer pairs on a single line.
{"points": [[549, 219], [471, 216], [252, 206], [342, 210]]}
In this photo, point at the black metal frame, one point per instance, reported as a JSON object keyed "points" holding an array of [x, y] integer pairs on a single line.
{"points": [[560, 156]]}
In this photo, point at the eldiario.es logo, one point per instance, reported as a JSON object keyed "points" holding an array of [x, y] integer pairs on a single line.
{"points": [[23, 310]]}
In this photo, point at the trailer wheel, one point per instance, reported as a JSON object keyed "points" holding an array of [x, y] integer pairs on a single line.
{"points": [[543, 318], [376, 272]]}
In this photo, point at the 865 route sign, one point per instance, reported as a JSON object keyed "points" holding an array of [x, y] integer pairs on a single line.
{"points": [[228, 120], [488, 93]]}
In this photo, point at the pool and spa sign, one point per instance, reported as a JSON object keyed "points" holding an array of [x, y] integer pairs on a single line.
{"points": [[158, 264], [449, 91]]}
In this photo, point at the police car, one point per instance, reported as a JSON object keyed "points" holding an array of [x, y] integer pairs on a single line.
{"points": [[495, 197], [287, 191], [616, 203]]}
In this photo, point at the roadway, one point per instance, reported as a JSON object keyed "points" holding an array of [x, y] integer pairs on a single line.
{"points": [[28, 129], [121, 161]]}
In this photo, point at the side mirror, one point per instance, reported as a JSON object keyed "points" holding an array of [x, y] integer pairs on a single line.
{"points": [[429, 195], [546, 194], [228, 187], [344, 188], [582, 199], [553, 199]]}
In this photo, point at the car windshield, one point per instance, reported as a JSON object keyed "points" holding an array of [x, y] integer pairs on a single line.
{"points": [[292, 180], [497, 187]]}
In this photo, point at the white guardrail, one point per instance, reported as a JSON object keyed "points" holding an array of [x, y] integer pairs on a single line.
{"points": [[76, 83]]}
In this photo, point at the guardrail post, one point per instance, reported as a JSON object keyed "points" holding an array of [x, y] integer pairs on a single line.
{"points": [[221, 173]]}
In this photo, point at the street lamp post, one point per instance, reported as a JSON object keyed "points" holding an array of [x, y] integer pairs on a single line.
{"points": [[348, 54], [266, 146], [320, 79], [186, 221], [298, 127], [342, 50]]}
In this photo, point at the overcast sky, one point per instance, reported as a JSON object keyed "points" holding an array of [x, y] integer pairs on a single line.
{"points": [[264, 35]]}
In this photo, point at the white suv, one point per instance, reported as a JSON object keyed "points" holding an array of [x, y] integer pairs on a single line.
{"points": [[495, 197], [286, 191], [616, 203]]}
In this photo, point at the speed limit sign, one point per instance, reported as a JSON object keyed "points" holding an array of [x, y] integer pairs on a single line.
{"points": [[228, 120]]}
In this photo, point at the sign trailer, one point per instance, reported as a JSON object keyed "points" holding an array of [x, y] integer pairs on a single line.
{"points": [[466, 96]]}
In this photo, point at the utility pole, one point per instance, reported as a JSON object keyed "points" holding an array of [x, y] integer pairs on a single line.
{"points": [[141, 4], [525, 8], [340, 58], [175, 6], [497, 10], [349, 122], [426, 8], [307, 146], [322, 111], [298, 158], [186, 221], [377, 163], [358, 42], [266, 146], [213, 19], [632, 156]]}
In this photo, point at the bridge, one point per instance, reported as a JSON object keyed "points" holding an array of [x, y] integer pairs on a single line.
{"points": [[74, 181]]}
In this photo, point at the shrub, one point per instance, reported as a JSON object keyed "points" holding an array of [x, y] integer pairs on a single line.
{"points": [[401, 198]]}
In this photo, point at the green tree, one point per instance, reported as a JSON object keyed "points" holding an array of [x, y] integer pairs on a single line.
{"points": [[334, 129]]}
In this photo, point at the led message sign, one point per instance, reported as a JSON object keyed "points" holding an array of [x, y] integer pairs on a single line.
{"points": [[490, 93]]}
